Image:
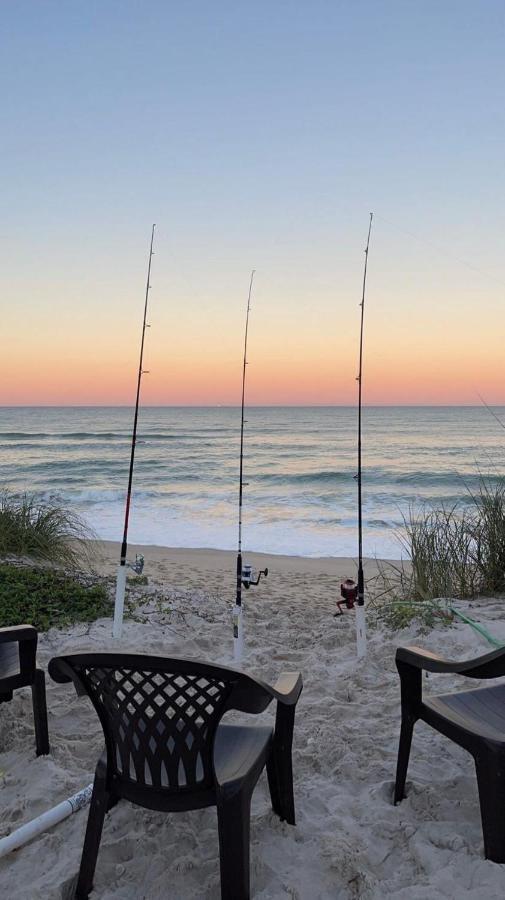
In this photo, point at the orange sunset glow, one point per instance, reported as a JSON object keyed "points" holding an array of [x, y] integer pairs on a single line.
{"points": [[306, 355]]}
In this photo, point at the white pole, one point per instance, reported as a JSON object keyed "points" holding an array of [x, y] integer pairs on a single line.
{"points": [[45, 821], [360, 631], [238, 634], [119, 602]]}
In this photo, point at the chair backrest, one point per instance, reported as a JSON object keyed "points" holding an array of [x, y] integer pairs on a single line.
{"points": [[159, 715], [18, 650]]}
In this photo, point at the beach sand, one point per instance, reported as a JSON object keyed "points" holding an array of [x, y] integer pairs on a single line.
{"points": [[350, 841]]}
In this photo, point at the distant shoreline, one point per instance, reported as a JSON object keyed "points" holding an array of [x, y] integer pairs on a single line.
{"points": [[203, 559]]}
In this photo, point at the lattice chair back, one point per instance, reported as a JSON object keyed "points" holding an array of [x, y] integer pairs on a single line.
{"points": [[159, 715]]}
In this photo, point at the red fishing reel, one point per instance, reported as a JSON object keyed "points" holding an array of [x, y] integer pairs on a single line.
{"points": [[349, 594]]}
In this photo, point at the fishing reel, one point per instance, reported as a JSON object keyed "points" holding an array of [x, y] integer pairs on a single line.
{"points": [[247, 576], [349, 594], [138, 565]]}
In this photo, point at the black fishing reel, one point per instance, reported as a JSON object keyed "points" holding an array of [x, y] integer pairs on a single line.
{"points": [[248, 578], [138, 565], [349, 594]]}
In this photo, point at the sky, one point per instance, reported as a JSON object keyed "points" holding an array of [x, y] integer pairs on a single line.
{"points": [[256, 135]]}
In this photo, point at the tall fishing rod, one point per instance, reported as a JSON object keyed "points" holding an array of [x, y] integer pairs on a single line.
{"points": [[360, 608], [244, 572], [138, 565], [354, 594]]}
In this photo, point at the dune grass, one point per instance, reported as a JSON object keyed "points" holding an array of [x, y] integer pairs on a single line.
{"points": [[42, 530], [455, 552], [489, 550], [440, 544]]}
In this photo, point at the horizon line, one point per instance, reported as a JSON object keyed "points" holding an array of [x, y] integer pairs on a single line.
{"points": [[249, 406]]}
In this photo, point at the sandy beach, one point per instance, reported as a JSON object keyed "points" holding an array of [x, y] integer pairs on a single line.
{"points": [[252, 276], [350, 841]]}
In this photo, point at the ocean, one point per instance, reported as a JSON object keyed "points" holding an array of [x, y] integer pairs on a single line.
{"points": [[300, 464]]}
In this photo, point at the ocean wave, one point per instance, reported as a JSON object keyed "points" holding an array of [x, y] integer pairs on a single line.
{"points": [[97, 496], [97, 435], [85, 466], [303, 477], [443, 478], [76, 435], [373, 476]]}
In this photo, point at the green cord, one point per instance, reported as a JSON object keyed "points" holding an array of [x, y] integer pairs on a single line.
{"points": [[480, 628]]}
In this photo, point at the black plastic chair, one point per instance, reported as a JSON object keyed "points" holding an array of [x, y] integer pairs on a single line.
{"points": [[474, 719], [166, 748], [18, 668]]}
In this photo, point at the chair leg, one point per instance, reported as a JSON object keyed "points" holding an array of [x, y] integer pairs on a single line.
{"points": [[273, 784], [112, 801], [233, 819], [407, 728], [490, 770], [282, 753], [40, 713], [100, 801]]}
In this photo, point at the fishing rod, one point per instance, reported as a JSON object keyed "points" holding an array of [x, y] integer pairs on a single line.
{"points": [[360, 609], [245, 577], [354, 594], [138, 565]]}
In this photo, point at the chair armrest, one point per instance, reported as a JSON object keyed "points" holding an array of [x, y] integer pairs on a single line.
{"points": [[490, 665], [18, 633], [251, 695], [25, 636], [288, 688], [60, 671]]}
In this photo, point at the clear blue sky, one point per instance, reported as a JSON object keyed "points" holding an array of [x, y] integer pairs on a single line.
{"points": [[254, 134]]}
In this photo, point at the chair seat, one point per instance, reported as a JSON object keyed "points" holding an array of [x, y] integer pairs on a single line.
{"points": [[238, 749], [480, 712]]}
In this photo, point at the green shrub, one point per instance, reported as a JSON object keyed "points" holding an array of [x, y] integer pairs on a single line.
{"points": [[398, 614], [396, 599], [46, 598]]}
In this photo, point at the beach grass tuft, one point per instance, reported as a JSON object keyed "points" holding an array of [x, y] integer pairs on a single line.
{"points": [[489, 535], [42, 530], [440, 544], [453, 553]]}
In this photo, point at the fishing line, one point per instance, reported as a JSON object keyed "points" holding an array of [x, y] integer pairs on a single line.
{"points": [[490, 410], [441, 250]]}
